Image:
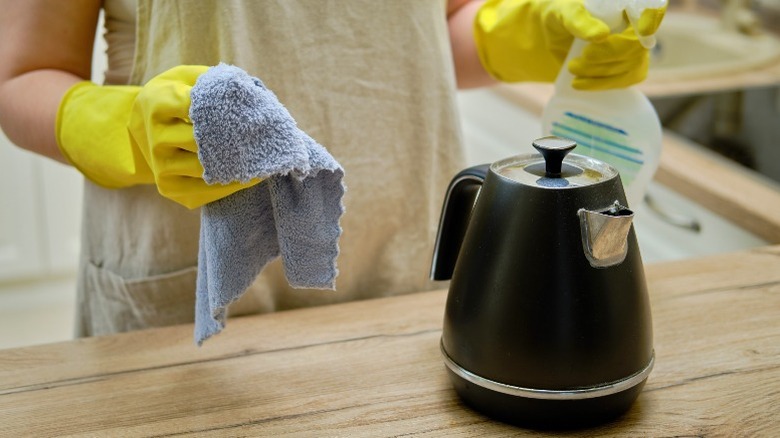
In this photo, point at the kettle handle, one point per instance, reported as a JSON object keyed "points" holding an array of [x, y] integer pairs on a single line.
{"points": [[459, 201]]}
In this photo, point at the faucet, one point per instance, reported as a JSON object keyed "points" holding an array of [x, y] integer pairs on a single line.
{"points": [[737, 16]]}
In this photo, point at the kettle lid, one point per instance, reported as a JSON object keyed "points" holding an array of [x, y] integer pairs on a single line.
{"points": [[552, 168]]}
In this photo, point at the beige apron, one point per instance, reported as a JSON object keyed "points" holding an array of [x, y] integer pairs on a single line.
{"points": [[370, 80]]}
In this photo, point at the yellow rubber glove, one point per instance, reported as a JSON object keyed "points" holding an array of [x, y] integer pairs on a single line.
{"points": [[618, 61], [120, 136], [528, 40]]}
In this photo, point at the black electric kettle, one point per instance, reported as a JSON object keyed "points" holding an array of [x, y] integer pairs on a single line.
{"points": [[547, 320]]}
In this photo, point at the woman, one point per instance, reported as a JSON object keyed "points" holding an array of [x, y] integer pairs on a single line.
{"points": [[373, 81]]}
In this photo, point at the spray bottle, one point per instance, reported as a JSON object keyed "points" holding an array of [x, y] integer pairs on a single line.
{"points": [[618, 126]]}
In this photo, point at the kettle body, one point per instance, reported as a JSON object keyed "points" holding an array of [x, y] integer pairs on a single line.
{"points": [[547, 321]]}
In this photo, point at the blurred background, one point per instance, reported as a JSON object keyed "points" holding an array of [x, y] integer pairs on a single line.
{"points": [[715, 82]]}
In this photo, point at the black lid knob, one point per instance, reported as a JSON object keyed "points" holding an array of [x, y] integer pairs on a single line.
{"points": [[554, 149]]}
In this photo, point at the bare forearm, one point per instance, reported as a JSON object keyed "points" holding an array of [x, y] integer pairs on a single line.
{"points": [[28, 109], [45, 47], [468, 68]]}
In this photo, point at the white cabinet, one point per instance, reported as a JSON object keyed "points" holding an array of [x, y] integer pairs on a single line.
{"points": [[20, 249], [40, 208]]}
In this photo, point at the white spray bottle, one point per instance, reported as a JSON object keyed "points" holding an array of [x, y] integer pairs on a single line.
{"points": [[618, 126]]}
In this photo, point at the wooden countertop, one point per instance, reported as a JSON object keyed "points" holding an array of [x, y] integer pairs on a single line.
{"points": [[744, 197], [764, 76], [373, 368]]}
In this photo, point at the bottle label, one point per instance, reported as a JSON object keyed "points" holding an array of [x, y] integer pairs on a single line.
{"points": [[601, 141]]}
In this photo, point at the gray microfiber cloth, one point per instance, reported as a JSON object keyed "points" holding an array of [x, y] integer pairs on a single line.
{"points": [[243, 132]]}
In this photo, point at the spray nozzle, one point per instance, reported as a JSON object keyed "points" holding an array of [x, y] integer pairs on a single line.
{"points": [[611, 12]]}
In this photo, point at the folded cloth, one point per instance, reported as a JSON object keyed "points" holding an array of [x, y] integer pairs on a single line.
{"points": [[243, 132]]}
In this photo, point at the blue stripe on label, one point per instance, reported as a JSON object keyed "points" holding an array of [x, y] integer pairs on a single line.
{"points": [[584, 134], [588, 144], [590, 121]]}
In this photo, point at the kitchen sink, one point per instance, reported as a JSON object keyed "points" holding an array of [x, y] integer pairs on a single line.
{"points": [[696, 45]]}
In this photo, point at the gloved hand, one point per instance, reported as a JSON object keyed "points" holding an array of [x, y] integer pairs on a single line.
{"points": [[528, 40], [618, 61], [120, 136]]}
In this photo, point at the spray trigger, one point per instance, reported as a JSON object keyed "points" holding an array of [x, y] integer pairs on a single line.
{"points": [[647, 41]]}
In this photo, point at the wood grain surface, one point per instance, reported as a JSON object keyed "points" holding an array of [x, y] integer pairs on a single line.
{"points": [[373, 369]]}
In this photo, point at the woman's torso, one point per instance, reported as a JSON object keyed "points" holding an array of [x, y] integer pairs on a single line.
{"points": [[371, 81]]}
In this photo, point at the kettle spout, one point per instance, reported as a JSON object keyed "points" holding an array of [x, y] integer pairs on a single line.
{"points": [[605, 234]]}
